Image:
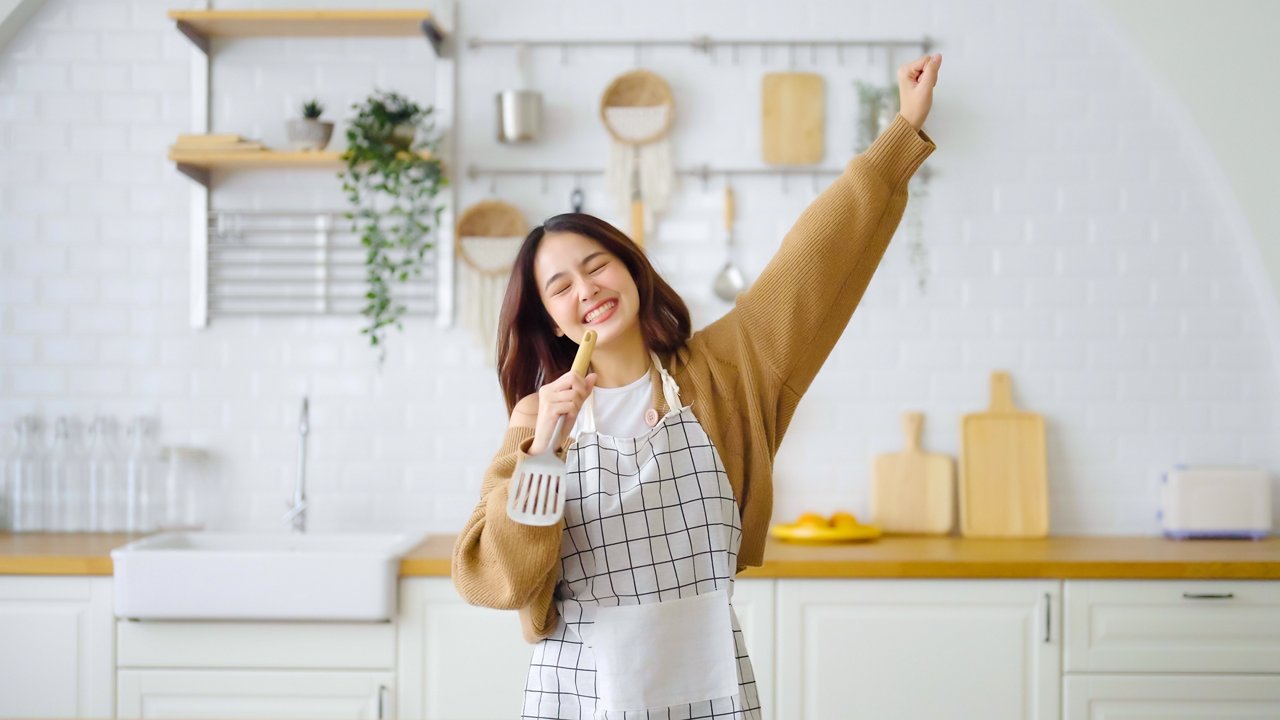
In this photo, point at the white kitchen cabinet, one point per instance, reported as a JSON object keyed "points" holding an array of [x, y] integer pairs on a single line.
{"points": [[257, 694], [754, 602], [258, 645], [1160, 626], [56, 647], [189, 669], [461, 662], [1171, 697], [1171, 649], [915, 649], [457, 661]]}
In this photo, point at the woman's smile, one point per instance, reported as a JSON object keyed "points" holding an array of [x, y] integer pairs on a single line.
{"points": [[600, 312]]}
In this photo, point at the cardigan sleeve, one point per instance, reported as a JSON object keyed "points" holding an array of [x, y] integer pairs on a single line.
{"points": [[497, 562], [790, 319]]}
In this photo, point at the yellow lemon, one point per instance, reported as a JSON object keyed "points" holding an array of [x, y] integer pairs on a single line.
{"points": [[844, 520], [812, 520]]}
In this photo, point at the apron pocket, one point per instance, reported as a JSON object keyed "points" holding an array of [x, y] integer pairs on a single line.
{"points": [[666, 653]]}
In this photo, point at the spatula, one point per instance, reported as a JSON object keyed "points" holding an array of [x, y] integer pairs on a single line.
{"points": [[536, 495]]}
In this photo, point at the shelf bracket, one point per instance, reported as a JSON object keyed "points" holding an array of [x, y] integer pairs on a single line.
{"points": [[195, 172], [439, 40], [201, 41]]}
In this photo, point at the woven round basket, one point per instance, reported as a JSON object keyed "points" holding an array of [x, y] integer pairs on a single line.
{"points": [[638, 88], [488, 218]]}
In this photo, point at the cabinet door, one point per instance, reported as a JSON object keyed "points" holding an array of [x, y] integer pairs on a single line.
{"points": [[258, 694], [458, 661], [914, 649], [1176, 697], [753, 603], [56, 644]]}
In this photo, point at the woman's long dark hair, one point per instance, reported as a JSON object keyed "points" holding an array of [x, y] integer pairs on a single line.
{"points": [[531, 354]]}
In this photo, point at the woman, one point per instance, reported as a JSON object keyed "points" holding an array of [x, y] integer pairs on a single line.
{"points": [[669, 459]]}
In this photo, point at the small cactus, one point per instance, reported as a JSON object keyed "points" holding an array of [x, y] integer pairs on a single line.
{"points": [[311, 109]]}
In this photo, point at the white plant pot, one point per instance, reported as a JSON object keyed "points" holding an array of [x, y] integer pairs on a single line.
{"points": [[309, 135]]}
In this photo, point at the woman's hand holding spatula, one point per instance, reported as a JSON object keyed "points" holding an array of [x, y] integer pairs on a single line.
{"points": [[536, 494], [562, 396]]}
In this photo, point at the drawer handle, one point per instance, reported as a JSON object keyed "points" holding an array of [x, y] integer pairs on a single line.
{"points": [[1208, 596], [1048, 615]]}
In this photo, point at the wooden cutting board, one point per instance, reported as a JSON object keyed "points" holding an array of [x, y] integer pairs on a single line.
{"points": [[913, 492], [1003, 474], [793, 124]]}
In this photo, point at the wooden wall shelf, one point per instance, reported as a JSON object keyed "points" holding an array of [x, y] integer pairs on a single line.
{"points": [[201, 25], [197, 164]]}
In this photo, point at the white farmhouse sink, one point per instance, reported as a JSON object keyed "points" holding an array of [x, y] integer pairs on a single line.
{"points": [[245, 576]]}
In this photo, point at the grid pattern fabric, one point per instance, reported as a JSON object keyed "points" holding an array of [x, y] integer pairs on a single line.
{"points": [[647, 519]]}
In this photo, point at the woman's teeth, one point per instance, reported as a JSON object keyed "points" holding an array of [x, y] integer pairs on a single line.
{"points": [[599, 311]]}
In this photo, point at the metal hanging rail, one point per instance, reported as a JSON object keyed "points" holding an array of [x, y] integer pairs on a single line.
{"points": [[702, 172], [700, 43]]}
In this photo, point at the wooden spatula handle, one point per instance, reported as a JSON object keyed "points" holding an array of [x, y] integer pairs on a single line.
{"points": [[583, 359]]}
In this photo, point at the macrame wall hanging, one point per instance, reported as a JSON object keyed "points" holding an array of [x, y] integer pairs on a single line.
{"points": [[488, 237], [637, 109]]}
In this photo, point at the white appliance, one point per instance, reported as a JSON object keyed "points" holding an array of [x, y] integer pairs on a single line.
{"points": [[1215, 502]]}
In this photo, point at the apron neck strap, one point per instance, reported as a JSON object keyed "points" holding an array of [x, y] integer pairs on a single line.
{"points": [[670, 393], [670, 390]]}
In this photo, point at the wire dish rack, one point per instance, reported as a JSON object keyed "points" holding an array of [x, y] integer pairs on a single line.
{"points": [[282, 262]]}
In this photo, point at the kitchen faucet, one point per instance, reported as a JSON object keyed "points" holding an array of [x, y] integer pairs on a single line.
{"points": [[297, 513]]}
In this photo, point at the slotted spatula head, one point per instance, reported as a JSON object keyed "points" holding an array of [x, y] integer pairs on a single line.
{"points": [[536, 494]]}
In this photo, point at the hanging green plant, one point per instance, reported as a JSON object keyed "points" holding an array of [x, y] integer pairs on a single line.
{"points": [[393, 180]]}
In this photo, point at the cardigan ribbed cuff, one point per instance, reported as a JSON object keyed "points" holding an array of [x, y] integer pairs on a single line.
{"points": [[899, 151], [515, 438]]}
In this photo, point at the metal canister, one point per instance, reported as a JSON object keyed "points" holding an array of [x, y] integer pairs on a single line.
{"points": [[519, 115]]}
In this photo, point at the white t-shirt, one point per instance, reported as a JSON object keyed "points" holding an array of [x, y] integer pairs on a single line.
{"points": [[620, 411]]}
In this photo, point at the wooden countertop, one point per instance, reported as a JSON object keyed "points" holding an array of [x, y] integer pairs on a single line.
{"points": [[59, 553], [1115, 557]]}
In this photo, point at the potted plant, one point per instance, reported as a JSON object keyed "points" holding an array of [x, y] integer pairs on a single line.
{"points": [[393, 182], [310, 132]]}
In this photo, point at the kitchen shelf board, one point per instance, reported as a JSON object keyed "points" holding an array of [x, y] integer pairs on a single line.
{"points": [[197, 164], [201, 25]]}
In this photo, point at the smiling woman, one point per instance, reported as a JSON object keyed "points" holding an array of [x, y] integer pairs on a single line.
{"points": [[629, 597], [571, 266]]}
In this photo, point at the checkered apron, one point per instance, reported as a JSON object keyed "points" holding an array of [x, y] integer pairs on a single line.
{"points": [[647, 520]]}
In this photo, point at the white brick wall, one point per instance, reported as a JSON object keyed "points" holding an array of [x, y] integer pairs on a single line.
{"points": [[1075, 235]]}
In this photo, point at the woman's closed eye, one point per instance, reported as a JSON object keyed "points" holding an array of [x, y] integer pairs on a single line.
{"points": [[599, 267]]}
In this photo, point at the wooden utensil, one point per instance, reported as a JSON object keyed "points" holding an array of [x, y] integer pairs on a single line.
{"points": [[536, 494], [912, 491], [793, 121], [637, 207], [729, 283], [1003, 473]]}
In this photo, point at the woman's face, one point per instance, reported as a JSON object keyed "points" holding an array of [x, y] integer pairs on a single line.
{"points": [[585, 287]]}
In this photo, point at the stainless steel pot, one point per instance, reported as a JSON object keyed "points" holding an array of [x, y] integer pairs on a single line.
{"points": [[519, 115]]}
